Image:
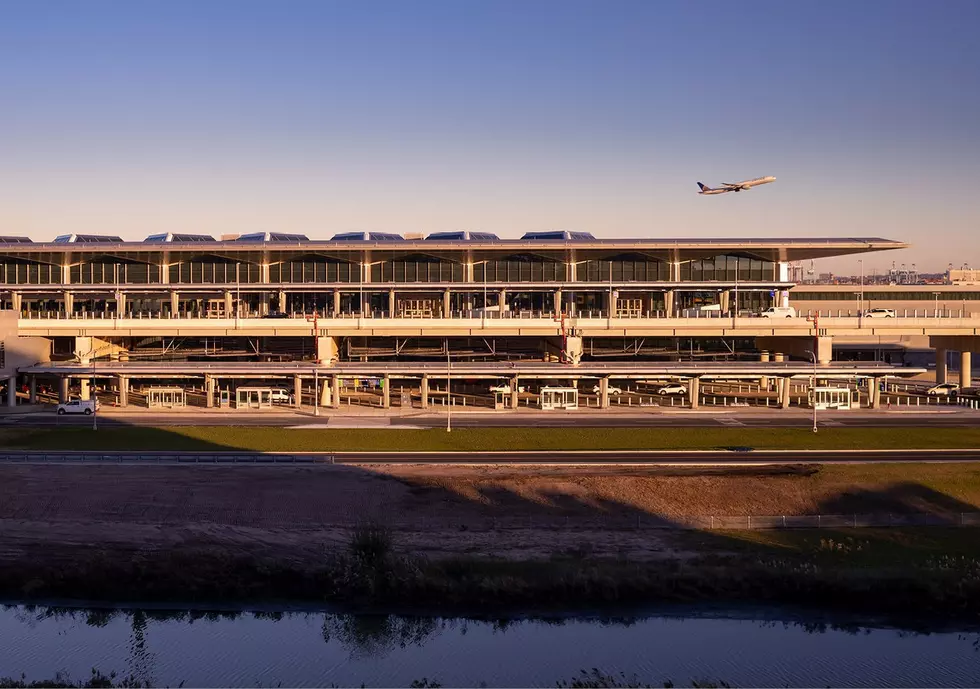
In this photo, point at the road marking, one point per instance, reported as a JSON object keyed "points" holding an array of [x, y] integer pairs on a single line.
{"points": [[731, 422]]}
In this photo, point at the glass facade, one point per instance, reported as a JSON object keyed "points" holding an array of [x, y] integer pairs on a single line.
{"points": [[114, 274], [214, 273], [313, 271], [520, 268], [725, 269], [624, 270], [417, 269], [25, 273]]}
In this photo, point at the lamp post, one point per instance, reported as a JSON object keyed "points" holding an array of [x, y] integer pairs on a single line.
{"points": [[568, 276], [813, 389], [449, 396], [936, 312], [484, 310], [861, 305], [360, 297], [238, 294]]}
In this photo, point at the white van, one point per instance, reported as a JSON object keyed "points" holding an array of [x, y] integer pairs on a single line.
{"points": [[779, 312]]}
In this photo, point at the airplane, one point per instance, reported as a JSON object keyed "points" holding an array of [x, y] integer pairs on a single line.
{"points": [[736, 186]]}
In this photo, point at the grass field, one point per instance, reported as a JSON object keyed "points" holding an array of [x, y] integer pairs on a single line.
{"points": [[273, 439]]}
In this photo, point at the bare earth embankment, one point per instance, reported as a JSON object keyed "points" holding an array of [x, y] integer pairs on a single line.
{"points": [[473, 533]]}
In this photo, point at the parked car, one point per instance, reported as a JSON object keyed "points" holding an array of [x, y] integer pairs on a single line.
{"points": [[86, 407], [276, 314], [673, 389], [505, 389], [880, 313], [280, 396], [612, 390], [779, 312], [943, 390]]}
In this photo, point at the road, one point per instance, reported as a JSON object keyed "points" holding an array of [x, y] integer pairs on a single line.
{"points": [[688, 419], [586, 457]]}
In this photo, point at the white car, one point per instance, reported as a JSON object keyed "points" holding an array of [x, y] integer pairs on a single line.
{"points": [[673, 389], [79, 407], [943, 390], [612, 390], [280, 396], [880, 313], [779, 312], [505, 389]]}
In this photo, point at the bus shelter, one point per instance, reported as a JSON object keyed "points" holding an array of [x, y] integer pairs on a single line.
{"points": [[559, 398], [830, 398], [253, 398], [168, 398]]}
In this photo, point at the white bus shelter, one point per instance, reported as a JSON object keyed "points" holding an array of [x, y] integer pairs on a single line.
{"points": [[253, 398], [830, 398], [168, 398], [559, 398]]}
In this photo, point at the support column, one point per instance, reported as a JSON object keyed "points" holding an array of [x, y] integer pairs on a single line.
{"points": [[33, 383], [502, 301], [69, 303], [209, 391], [386, 391], [514, 392], [941, 357], [335, 386], [784, 386], [874, 393], [445, 304], [778, 357], [764, 380], [391, 303], [966, 372], [327, 350], [63, 384], [297, 392], [120, 304], [229, 305], [174, 303], [694, 392], [17, 301], [669, 303], [604, 393], [557, 301], [724, 300], [336, 303], [425, 391], [85, 388], [123, 391], [282, 302], [12, 391]]}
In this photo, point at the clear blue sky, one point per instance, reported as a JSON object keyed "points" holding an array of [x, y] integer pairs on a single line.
{"points": [[319, 117]]}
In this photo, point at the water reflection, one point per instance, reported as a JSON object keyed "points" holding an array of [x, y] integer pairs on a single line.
{"points": [[213, 648]]}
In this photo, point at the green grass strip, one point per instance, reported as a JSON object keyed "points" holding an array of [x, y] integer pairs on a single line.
{"points": [[275, 439]]}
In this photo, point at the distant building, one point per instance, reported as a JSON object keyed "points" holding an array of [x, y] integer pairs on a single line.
{"points": [[964, 276]]}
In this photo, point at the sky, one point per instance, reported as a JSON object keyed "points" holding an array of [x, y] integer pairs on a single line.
{"points": [[320, 117]]}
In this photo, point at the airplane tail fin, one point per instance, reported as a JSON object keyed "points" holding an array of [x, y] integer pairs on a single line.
{"points": [[703, 187]]}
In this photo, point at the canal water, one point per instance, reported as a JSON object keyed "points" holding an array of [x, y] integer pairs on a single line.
{"points": [[267, 649]]}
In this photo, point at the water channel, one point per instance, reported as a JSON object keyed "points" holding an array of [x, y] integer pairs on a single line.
{"points": [[741, 648]]}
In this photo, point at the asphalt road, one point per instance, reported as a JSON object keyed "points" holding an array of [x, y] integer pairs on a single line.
{"points": [[588, 457], [687, 419]]}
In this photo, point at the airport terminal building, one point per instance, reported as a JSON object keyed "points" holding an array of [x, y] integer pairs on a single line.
{"points": [[550, 305]]}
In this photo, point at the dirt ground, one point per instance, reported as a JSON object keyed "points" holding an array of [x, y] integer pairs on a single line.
{"points": [[298, 513]]}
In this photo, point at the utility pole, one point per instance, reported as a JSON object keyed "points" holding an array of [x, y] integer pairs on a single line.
{"points": [[449, 397]]}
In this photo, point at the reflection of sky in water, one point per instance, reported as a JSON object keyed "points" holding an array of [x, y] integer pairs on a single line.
{"points": [[309, 649]]}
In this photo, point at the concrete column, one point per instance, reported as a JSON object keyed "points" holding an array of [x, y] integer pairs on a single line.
{"points": [[120, 304], [325, 396], [336, 302], [784, 386], [12, 391], [282, 302], [297, 392], [874, 394], [229, 305], [514, 391], [123, 391], [32, 381], [84, 385], [209, 391], [694, 392], [669, 302], [63, 384], [386, 391], [502, 300], [445, 304], [335, 385], [264, 304], [778, 357], [764, 380], [69, 302], [966, 372], [941, 365], [174, 303], [391, 303], [327, 349], [17, 301], [725, 300], [425, 391], [604, 393], [557, 301]]}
